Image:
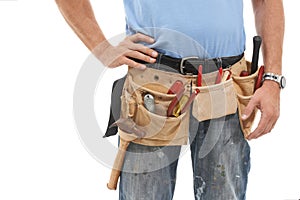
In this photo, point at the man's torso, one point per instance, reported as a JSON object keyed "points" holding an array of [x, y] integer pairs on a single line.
{"points": [[204, 28]]}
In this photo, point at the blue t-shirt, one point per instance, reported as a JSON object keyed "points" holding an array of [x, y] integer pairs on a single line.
{"points": [[181, 28]]}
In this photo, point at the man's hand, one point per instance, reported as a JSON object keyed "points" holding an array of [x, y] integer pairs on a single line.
{"points": [[267, 100], [80, 16], [269, 21], [122, 54]]}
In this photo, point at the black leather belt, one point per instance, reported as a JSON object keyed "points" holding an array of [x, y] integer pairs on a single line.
{"points": [[189, 65]]}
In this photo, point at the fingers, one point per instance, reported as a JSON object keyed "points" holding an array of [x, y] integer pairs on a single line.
{"points": [[126, 61], [143, 49], [252, 105], [130, 50], [265, 125], [133, 43], [139, 37], [269, 114], [260, 129], [249, 108], [140, 56]]}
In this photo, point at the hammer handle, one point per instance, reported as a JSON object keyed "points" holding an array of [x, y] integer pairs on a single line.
{"points": [[256, 45], [118, 164]]}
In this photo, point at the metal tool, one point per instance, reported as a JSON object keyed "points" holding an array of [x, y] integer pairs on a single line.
{"points": [[256, 45], [178, 108], [129, 126], [149, 102]]}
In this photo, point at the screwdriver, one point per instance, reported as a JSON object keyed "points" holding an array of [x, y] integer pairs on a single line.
{"points": [[190, 100]]}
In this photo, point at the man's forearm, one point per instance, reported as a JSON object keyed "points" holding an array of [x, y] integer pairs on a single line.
{"points": [[269, 20], [80, 16]]}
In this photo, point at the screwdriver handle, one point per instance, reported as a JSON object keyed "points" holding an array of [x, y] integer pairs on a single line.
{"points": [[256, 46]]}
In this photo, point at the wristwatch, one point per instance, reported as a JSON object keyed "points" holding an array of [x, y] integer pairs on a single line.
{"points": [[275, 77]]}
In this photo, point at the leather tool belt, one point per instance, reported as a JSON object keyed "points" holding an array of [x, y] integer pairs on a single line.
{"points": [[214, 100]]}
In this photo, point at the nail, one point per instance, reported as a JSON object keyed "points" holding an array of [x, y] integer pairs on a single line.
{"points": [[244, 116], [249, 137], [152, 60], [154, 54], [142, 67], [152, 40]]}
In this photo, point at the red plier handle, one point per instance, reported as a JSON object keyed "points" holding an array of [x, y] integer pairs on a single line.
{"points": [[199, 78]]}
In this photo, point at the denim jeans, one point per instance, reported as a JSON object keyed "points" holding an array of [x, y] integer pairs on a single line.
{"points": [[220, 158]]}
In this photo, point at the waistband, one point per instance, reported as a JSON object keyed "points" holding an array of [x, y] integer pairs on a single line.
{"points": [[189, 65]]}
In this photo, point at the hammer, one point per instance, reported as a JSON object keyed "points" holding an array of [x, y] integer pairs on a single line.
{"points": [[256, 45]]}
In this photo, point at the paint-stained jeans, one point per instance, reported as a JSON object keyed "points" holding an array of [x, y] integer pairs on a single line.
{"points": [[220, 159]]}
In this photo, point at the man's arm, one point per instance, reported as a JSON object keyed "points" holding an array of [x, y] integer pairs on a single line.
{"points": [[269, 20], [80, 16]]}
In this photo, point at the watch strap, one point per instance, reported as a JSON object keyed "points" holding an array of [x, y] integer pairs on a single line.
{"points": [[273, 77]]}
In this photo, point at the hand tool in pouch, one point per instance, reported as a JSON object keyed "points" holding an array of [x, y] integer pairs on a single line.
{"points": [[149, 102], [256, 45], [255, 55], [259, 77], [199, 77], [226, 76], [129, 126], [244, 73], [219, 76], [179, 106], [189, 102], [178, 89], [118, 164]]}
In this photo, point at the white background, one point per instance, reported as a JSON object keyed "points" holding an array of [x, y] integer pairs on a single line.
{"points": [[41, 153]]}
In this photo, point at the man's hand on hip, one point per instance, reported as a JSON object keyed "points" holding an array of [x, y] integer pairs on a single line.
{"points": [[267, 100], [125, 51]]}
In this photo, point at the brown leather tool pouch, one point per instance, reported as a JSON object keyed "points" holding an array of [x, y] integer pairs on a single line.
{"points": [[244, 86], [214, 100], [159, 129], [217, 100]]}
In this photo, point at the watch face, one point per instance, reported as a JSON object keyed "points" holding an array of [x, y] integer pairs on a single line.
{"points": [[282, 82]]}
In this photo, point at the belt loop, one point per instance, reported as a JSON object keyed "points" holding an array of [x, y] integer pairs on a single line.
{"points": [[205, 62], [158, 59]]}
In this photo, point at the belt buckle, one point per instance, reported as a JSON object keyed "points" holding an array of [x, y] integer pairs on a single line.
{"points": [[181, 67]]}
